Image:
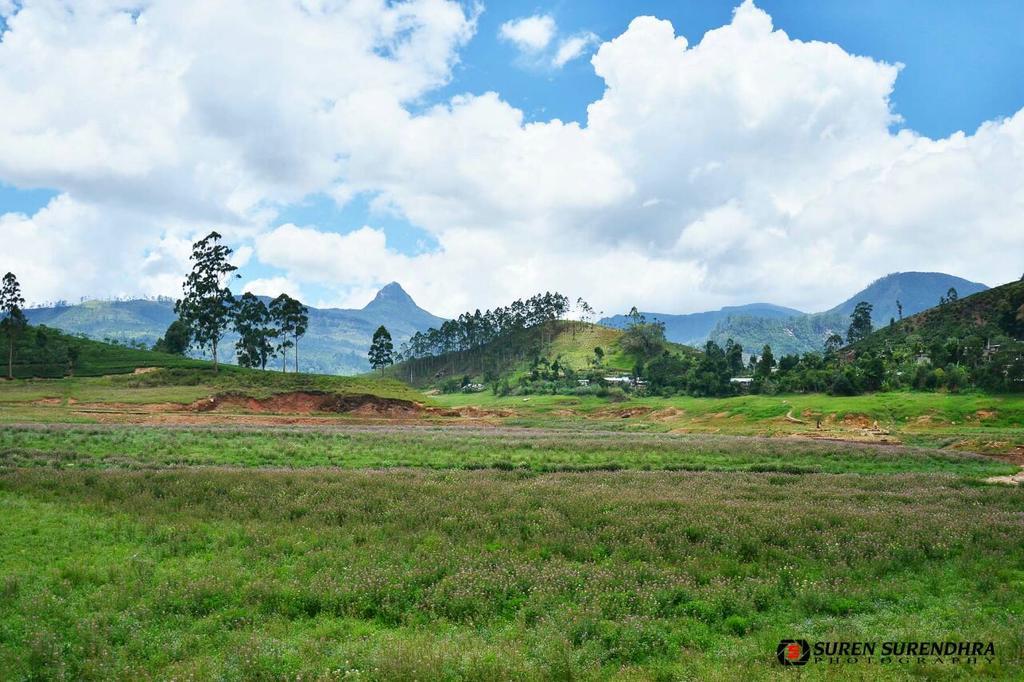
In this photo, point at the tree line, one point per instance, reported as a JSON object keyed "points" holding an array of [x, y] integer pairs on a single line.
{"points": [[485, 340], [208, 309]]}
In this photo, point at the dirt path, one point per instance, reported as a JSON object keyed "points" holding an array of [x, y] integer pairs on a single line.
{"points": [[790, 417]]}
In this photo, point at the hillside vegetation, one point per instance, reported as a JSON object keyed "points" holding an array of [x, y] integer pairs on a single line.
{"points": [[544, 358], [897, 295], [52, 365], [975, 340], [48, 353]]}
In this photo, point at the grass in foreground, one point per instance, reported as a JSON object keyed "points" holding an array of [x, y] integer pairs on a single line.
{"points": [[454, 448], [243, 574]]}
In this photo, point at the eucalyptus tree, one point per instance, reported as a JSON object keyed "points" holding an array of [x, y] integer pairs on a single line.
{"points": [[860, 323], [207, 304], [292, 320], [12, 319], [255, 330]]}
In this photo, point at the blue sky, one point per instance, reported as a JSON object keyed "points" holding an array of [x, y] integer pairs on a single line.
{"points": [[961, 59], [961, 65], [958, 59]]}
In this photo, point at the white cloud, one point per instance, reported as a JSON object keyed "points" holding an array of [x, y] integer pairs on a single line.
{"points": [[573, 47], [70, 249], [757, 166], [749, 166], [273, 287], [535, 38], [186, 115], [529, 34]]}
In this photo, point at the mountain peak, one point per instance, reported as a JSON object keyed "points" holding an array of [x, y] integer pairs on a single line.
{"points": [[391, 295]]}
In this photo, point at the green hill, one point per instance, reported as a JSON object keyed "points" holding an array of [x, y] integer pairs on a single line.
{"points": [[95, 371], [981, 335], [567, 346], [915, 291], [336, 342], [49, 353]]}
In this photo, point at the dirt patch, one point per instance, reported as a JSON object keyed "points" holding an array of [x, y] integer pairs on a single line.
{"points": [[309, 402], [859, 421], [866, 437], [982, 415], [144, 370], [48, 402], [1015, 479], [667, 414], [472, 412], [126, 408], [629, 412]]}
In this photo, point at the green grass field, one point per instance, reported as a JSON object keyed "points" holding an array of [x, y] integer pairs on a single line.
{"points": [[601, 543], [412, 574], [460, 448]]}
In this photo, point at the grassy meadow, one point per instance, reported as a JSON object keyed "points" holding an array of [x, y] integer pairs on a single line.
{"points": [[462, 448], [551, 539], [415, 574]]}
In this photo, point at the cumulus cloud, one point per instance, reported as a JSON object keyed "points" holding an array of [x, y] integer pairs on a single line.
{"points": [[573, 47], [748, 166], [759, 166], [529, 34], [196, 115], [535, 38], [273, 287]]}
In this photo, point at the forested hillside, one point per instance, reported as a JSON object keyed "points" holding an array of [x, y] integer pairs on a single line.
{"points": [[894, 296], [978, 340]]}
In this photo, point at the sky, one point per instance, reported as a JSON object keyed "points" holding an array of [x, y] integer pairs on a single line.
{"points": [[673, 155]]}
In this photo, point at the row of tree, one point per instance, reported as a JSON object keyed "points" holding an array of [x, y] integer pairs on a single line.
{"points": [[473, 330], [486, 341], [208, 309]]}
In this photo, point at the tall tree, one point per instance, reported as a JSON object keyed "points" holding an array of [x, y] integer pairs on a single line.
{"points": [[832, 344], [382, 350], [207, 304], [175, 340], [292, 321], [643, 338], [766, 363], [860, 323], [13, 320], [899, 309], [255, 329], [734, 356]]}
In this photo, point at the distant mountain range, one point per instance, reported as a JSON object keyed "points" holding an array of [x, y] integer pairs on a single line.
{"points": [[337, 339], [335, 343], [694, 329], [790, 331]]}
